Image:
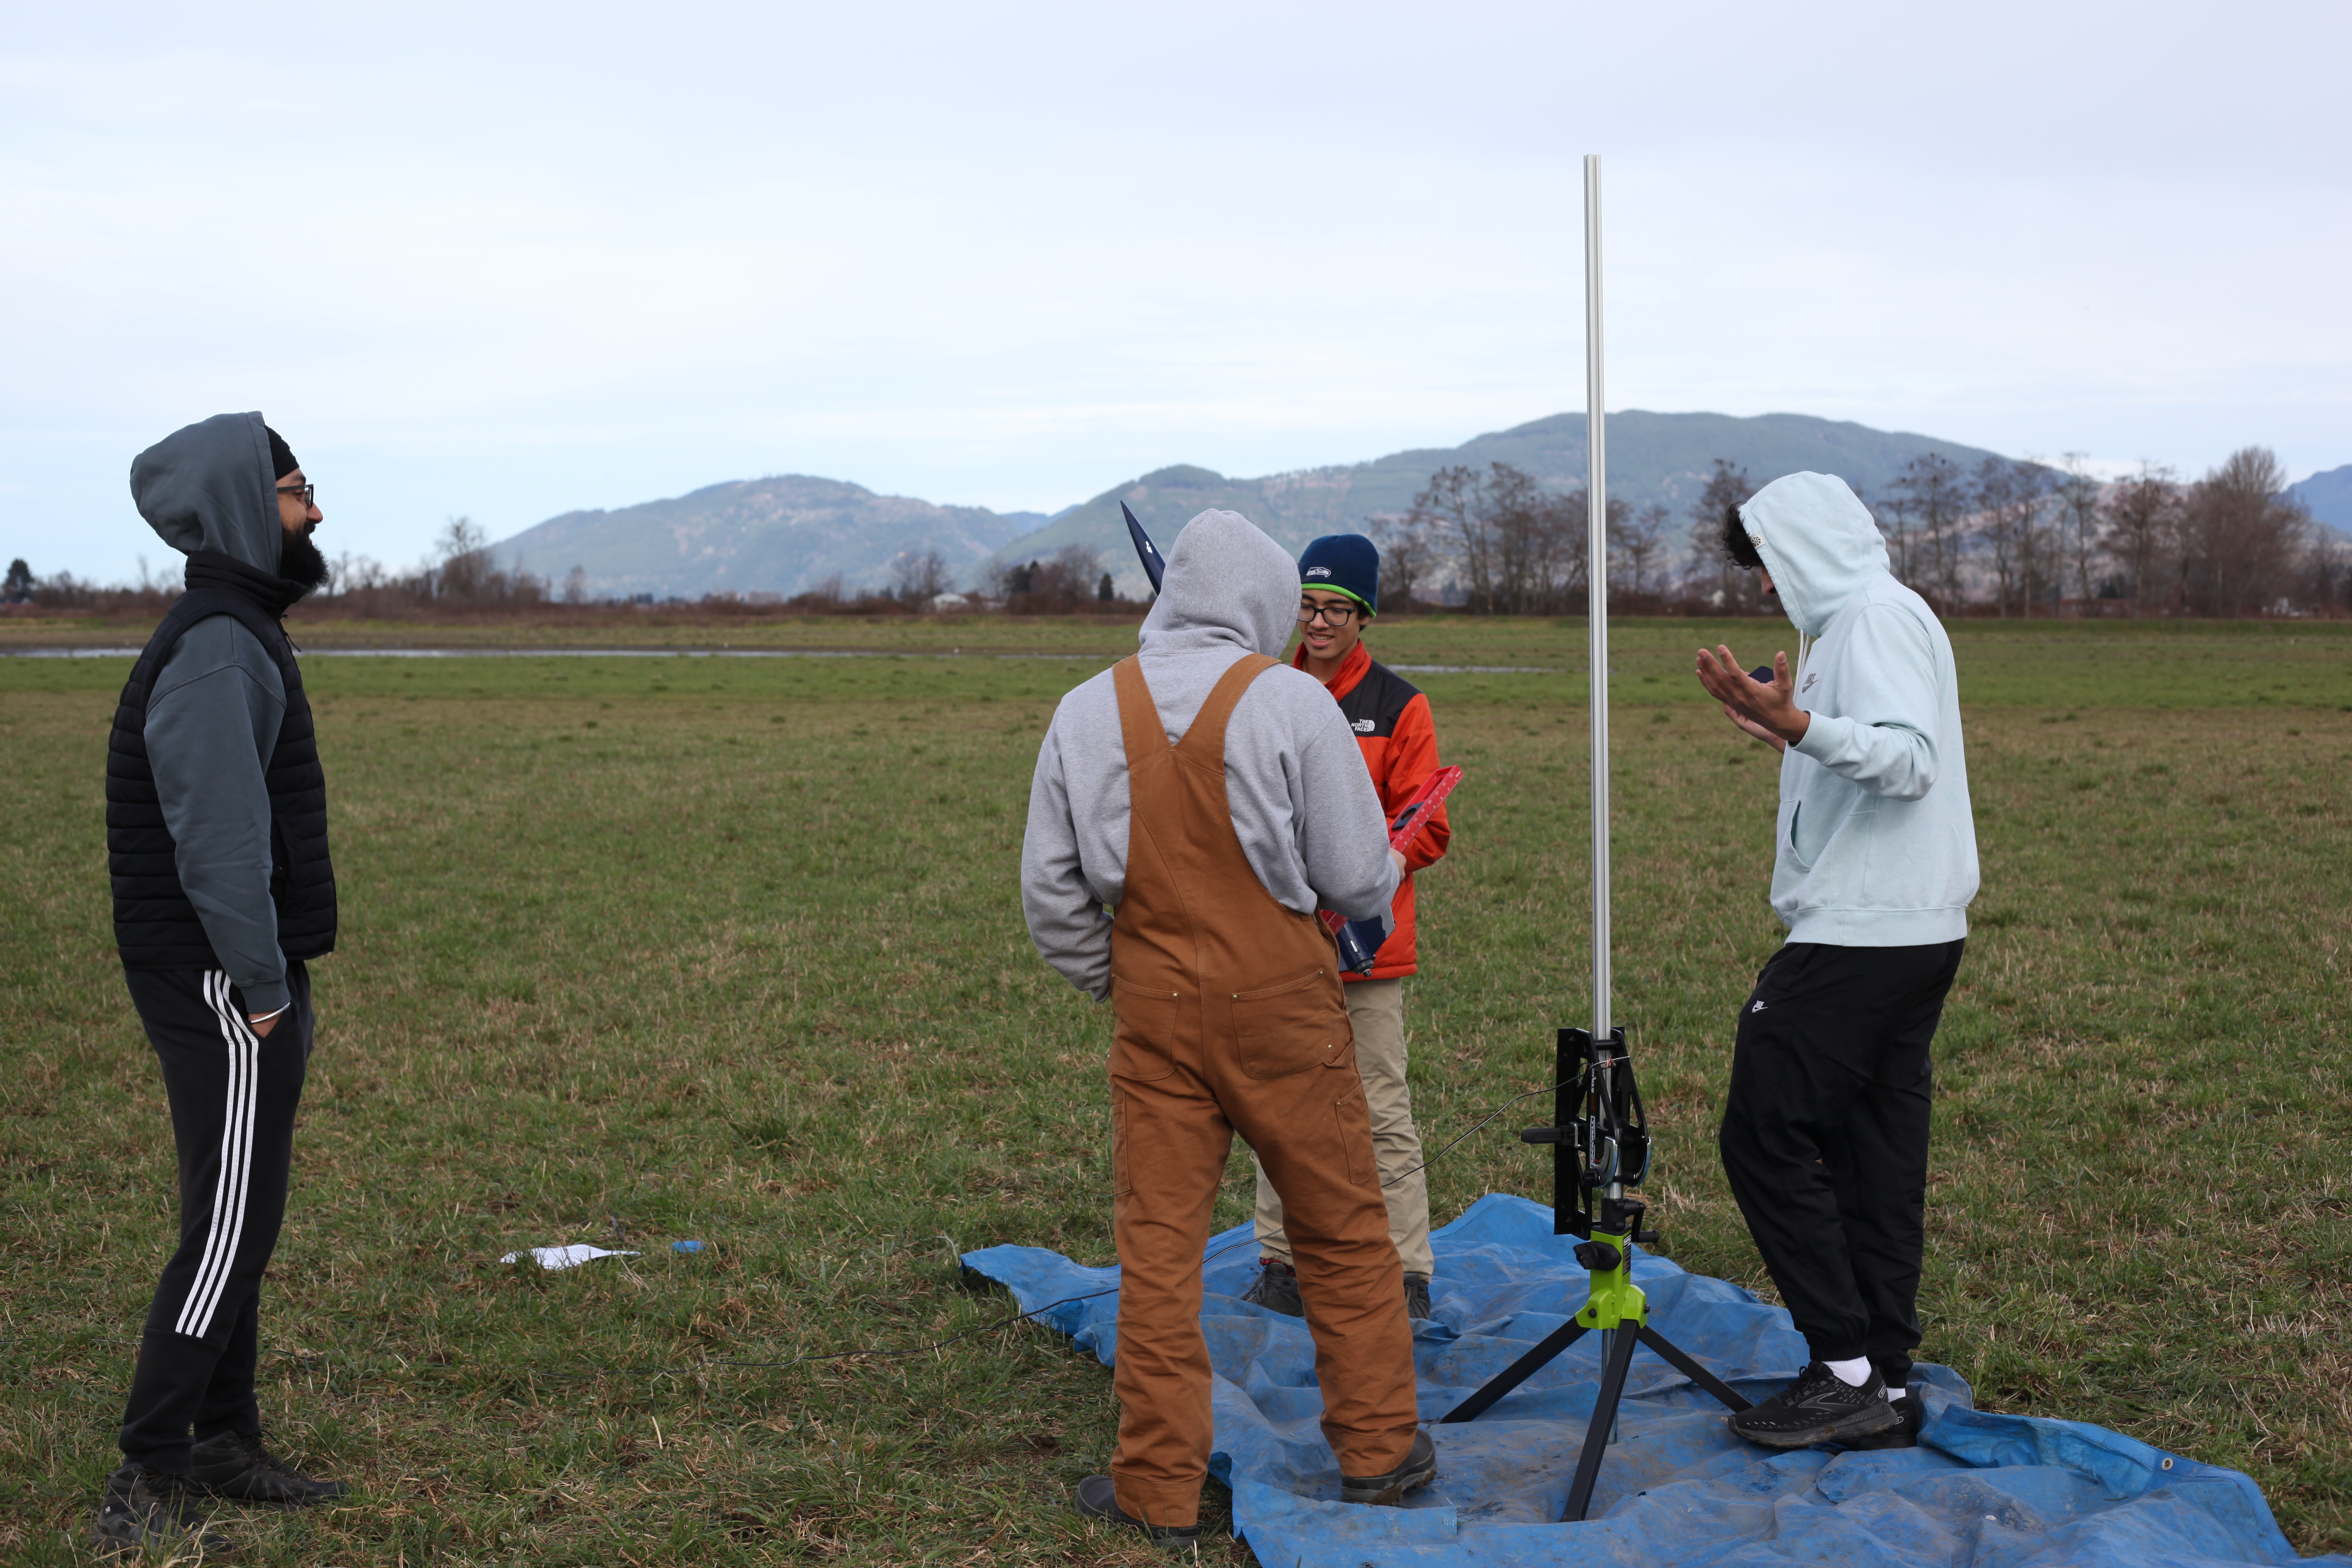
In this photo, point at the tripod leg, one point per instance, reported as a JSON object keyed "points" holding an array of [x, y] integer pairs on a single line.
{"points": [[1691, 1369], [1517, 1373], [1596, 1437]]}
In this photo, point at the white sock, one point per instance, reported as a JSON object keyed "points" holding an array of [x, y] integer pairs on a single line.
{"points": [[1852, 1373], [1895, 1393]]}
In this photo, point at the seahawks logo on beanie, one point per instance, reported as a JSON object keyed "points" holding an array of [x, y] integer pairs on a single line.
{"points": [[1347, 562]]}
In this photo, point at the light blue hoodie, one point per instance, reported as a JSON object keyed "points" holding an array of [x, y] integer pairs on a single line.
{"points": [[1877, 844]]}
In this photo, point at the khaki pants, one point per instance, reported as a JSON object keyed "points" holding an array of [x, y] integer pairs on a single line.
{"points": [[1376, 1007]]}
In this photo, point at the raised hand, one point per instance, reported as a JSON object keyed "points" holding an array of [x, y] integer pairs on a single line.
{"points": [[1768, 711]]}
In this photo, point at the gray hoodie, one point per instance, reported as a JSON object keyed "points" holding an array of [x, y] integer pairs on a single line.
{"points": [[214, 712], [1303, 806], [1877, 843]]}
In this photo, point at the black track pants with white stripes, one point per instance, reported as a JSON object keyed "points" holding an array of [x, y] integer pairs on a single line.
{"points": [[233, 1097]]}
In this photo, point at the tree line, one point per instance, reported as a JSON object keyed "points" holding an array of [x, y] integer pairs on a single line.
{"points": [[2005, 537]]}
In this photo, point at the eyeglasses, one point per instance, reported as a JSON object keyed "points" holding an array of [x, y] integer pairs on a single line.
{"points": [[1330, 614], [307, 492]]}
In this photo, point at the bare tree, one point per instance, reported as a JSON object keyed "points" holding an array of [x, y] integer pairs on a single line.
{"points": [[2078, 491], [918, 577], [2010, 498], [1451, 506], [2329, 579], [2241, 536], [1545, 559], [575, 585], [1520, 548], [1056, 587], [1077, 566], [1410, 556], [1931, 497], [464, 569], [1641, 539], [1729, 486], [2139, 530]]}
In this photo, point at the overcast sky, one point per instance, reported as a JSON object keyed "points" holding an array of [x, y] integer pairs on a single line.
{"points": [[506, 260]]}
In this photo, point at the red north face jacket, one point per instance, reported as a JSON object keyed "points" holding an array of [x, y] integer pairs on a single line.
{"points": [[1390, 717]]}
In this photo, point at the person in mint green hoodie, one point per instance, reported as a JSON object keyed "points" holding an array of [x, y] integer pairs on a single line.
{"points": [[1825, 1134]]}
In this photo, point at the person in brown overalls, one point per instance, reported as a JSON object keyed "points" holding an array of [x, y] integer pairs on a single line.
{"points": [[1173, 788]]}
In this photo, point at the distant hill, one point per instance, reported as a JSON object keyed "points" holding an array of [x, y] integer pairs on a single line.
{"points": [[2328, 495], [784, 535], [1662, 458], [788, 535]]}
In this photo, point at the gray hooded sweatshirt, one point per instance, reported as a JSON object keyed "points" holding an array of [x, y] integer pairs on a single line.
{"points": [[1303, 806], [214, 712], [1877, 843]]}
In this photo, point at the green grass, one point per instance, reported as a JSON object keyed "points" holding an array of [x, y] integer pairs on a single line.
{"points": [[639, 950]]}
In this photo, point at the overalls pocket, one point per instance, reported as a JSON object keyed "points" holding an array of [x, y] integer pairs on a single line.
{"points": [[1290, 1028]]}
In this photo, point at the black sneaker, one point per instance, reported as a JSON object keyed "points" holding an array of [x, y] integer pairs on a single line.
{"points": [[1276, 1288], [1416, 1297], [1819, 1407], [1420, 1468], [1904, 1434], [234, 1466], [142, 1508], [1099, 1499]]}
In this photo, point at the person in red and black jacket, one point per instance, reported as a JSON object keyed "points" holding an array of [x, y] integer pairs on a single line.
{"points": [[1339, 592]]}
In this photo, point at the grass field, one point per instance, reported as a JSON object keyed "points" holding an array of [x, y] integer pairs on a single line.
{"points": [[637, 950]]}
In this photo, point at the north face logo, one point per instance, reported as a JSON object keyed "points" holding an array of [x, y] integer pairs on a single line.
{"points": [[1319, 571], [1365, 726]]}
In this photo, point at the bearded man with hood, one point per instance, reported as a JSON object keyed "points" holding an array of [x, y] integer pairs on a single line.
{"points": [[1825, 1133], [217, 840], [1173, 866]]}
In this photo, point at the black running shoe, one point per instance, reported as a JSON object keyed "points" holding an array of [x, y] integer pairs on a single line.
{"points": [[1419, 1468], [1099, 1499], [1904, 1434], [1276, 1288], [234, 1466], [142, 1508], [1416, 1297], [1819, 1407]]}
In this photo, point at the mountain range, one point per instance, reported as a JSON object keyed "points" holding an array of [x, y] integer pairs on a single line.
{"points": [[790, 533], [1660, 457], [784, 535], [2329, 497]]}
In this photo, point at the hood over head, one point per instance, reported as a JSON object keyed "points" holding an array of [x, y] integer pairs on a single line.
{"points": [[213, 486], [1226, 583], [1818, 540]]}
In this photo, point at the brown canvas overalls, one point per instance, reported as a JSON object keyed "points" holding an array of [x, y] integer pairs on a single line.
{"points": [[1230, 1017]]}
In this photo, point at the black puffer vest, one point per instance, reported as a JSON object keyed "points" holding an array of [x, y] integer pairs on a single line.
{"points": [[155, 926]]}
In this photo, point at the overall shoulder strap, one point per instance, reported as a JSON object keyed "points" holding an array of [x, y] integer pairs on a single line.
{"points": [[1139, 715], [1205, 743]]}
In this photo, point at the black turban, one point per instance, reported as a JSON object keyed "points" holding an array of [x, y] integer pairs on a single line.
{"points": [[282, 456]]}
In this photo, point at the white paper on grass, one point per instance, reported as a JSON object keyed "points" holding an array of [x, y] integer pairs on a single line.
{"points": [[571, 1257]]}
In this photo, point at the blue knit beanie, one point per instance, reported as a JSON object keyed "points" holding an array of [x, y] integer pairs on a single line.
{"points": [[1346, 563]]}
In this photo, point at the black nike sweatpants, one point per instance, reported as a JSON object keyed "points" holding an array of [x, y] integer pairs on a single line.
{"points": [[1825, 1138], [233, 1096]]}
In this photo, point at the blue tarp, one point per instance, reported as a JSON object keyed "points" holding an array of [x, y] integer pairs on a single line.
{"points": [[1980, 1491]]}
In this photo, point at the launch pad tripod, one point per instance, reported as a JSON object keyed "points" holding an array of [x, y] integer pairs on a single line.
{"points": [[1601, 1143], [1601, 1146]]}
